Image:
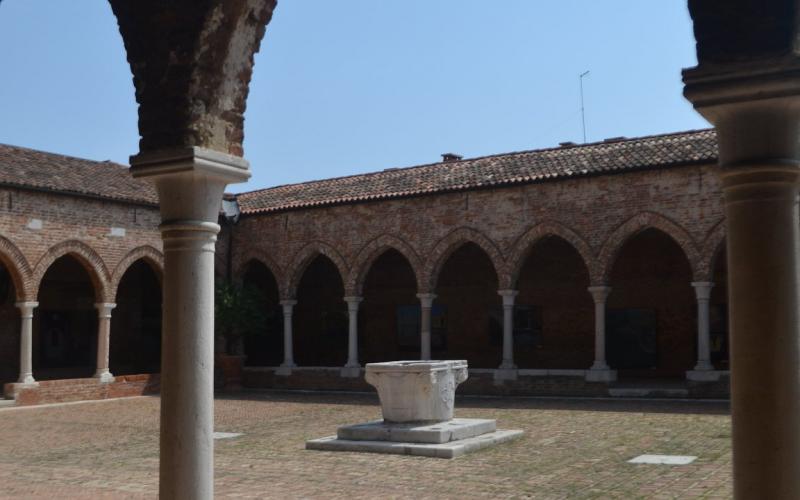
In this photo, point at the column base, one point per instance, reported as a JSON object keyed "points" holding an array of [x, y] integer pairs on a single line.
{"points": [[104, 377], [285, 369], [28, 381], [503, 373], [352, 371], [704, 375], [601, 375]]}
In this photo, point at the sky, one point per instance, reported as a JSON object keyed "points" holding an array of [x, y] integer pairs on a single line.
{"points": [[356, 86]]}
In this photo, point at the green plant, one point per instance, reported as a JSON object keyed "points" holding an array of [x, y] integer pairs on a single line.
{"points": [[239, 311]]}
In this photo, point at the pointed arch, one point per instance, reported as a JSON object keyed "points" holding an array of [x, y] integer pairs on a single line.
{"points": [[449, 244], [262, 257], [91, 261], [304, 257], [147, 253], [710, 251], [632, 227], [371, 251], [525, 243], [19, 269]]}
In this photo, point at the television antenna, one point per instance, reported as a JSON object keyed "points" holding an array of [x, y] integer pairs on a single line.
{"points": [[583, 113]]}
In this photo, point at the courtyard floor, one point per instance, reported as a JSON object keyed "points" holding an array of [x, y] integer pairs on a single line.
{"points": [[571, 449]]}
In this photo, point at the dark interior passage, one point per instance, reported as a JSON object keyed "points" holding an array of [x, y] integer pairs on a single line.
{"points": [[320, 316], [264, 347], [9, 328], [651, 318], [65, 323], [718, 313], [135, 345], [390, 313], [467, 318], [554, 313]]}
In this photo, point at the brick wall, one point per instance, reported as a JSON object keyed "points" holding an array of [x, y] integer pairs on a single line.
{"points": [[596, 216], [37, 228]]}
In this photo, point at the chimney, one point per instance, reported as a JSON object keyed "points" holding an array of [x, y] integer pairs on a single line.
{"points": [[448, 157]]}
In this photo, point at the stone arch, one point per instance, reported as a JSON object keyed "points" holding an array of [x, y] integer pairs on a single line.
{"points": [[522, 248], [374, 249], [449, 244], [304, 257], [91, 261], [710, 251], [192, 89], [147, 253], [19, 269], [262, 257], [632, 227]]}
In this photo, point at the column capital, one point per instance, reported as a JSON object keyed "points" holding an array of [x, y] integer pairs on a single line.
{"points": [[104, 308], [702, 289], [190, 183], [426, 299], [599, 293], [26, 308], [190, 160], [288, 303], [352, 303], [508, 296]]}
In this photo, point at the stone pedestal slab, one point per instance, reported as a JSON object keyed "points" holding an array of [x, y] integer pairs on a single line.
{"points": [[451, 449], [440, 432]]}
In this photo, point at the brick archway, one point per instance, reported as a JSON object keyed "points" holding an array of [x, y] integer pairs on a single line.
{"points": [[18, 269], [89, 259], [714, 242], [260, 256], [449, 244], [304, 257], [525, 243], [632, 227], [374, 249], [147, 253]]}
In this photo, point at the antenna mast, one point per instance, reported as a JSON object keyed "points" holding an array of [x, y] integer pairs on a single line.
{"points": [[583, 114]]}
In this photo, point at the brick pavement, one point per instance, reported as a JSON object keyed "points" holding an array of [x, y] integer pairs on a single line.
{"points": [[572, 449]]}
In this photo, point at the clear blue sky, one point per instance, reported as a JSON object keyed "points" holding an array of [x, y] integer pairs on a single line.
{"points": [[362, 85]]}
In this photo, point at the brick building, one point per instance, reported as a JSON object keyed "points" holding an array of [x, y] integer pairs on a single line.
{"points": [[509, 261]]}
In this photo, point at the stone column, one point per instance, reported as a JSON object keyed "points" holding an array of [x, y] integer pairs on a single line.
{"points": [[704, 370], [352, 368], [600, 371], [756, 111], [103, 340], [426, 304], [288, 342], [190, 182], [507, 365], [26, 342]]}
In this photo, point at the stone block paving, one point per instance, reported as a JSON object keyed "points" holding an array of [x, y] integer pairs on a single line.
{"points": [[571, 449]]}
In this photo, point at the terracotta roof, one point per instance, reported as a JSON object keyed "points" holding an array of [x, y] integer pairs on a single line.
{"points": [[612, 155], [29, 168]]}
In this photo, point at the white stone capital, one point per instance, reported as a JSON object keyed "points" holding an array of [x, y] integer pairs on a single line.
{"points": [[702, 289], [599, 293], [190, 183], [509, 296], [26, 308], [353, 302], [104, 309], [426, 299]]}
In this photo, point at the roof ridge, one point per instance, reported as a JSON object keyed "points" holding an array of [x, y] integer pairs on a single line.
{"points": [[476, 158], [62, 155]]}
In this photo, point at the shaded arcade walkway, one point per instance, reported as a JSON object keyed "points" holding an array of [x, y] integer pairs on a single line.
{"points": [[572, 448]]}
